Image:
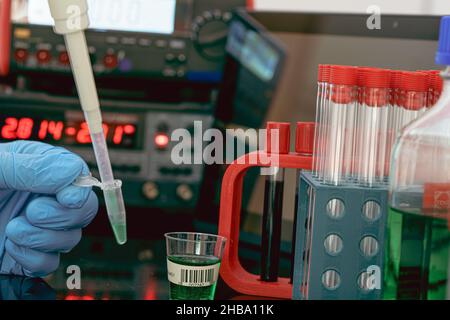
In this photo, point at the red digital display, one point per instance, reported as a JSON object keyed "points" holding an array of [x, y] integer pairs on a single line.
{"points": [[66, 132]]}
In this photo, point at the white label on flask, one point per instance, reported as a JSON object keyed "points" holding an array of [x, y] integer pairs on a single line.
{"points": [[192, 276]]}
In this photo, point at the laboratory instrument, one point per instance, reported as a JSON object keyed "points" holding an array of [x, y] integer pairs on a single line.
{"points": [[72, 27], [193, 264], [137, 134], [139, 114], [185, 39]]}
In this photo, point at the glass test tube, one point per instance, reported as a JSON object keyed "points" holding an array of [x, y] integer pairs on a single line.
{"points": [[323, 121], [430, 90], [415, 90], [278, 141], [374, 121], [394, 115], [343, 80], [319, 115], [361, 84], [437, 86]]}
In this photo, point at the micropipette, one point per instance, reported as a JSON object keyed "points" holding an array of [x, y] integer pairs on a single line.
{"points": [[71, 20]]}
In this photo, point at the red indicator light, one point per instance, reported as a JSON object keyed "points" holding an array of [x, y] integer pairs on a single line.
{"points": [[86, 297], [110, 61], [43, 56], [64, 58], [129, 129], [21, 55], [161, 140]]}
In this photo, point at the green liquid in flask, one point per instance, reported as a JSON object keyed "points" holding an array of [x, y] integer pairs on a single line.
{"points": [[179, 292], [417, 257]]}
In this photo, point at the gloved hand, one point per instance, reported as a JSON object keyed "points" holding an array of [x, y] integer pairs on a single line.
{"points": [[41, 212]]}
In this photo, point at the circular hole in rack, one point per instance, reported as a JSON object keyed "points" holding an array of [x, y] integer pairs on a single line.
{"points": [[331, 279], [335, 209], [333, 244], [365, 281], [372, 210], [369, 246]]}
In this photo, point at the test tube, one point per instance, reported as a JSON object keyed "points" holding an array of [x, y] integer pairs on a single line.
{"points": [[415, 93], [343, 80], [319, 115], [360, 106], [322, 128], [374, 119], [394, 115], [437, 86], [273, 203], [430, 91]]}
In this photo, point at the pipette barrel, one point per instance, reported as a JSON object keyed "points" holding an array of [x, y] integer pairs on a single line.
{"points": [[71, 24]]}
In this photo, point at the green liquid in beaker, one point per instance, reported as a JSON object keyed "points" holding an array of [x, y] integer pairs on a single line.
{"points": [[179, 292]]}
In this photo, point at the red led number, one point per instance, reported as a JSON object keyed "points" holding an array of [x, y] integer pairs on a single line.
{"points": [[118, 135], [120, 131], [53, 128], [83, 136], [25, 128], [17, 129], [9, 129]]}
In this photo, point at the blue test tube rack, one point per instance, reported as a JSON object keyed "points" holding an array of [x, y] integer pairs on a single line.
{"points": [[340, 241]]}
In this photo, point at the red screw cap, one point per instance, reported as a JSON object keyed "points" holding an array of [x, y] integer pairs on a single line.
{"points": [[283, 129], [396, 79], [344, 79], [361, 76], [415, 81], [378, 78], [343, 75], [326, 73], [320, 73], [304, 137]]}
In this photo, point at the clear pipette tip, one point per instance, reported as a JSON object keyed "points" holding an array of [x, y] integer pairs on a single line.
{"points": [[115, 206]]}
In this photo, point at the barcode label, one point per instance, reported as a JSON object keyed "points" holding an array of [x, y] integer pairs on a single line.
{"points": [[197, 276], [192, 276]]}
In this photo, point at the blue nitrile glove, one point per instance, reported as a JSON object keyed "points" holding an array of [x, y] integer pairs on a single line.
{"points": [[41, 212]]}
